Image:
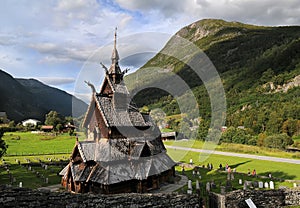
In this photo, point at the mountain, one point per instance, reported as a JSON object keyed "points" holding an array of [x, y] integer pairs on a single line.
{"points": [[259, 68], [29, 98]]}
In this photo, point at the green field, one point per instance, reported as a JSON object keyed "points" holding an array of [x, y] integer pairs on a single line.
{"points": [[239, 148], [24, 146], [262, 167], [34, 177], [46, 147], [26, 143]]}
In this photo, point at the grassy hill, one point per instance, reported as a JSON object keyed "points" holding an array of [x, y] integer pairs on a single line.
{"points": [[259, 67]]}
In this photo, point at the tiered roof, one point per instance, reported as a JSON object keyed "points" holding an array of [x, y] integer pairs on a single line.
{"points": [[136, 155]]}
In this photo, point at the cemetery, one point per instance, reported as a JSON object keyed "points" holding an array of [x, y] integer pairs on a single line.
{"points": [[206, 180]]}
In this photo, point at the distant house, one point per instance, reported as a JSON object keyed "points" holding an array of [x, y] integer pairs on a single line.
{"points": [[30, 121], [3, 117], [168, 135], [68, 127], [46, 128]]}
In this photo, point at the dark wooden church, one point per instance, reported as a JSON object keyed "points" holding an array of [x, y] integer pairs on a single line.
{"points": [[123, 151]]}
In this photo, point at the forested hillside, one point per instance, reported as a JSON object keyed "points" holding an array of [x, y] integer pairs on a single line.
{"points": [[259, 67], [28, 98]]}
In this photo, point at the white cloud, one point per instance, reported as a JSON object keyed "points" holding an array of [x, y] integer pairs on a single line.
{"points": [[71, 5], [56, 80], [55, 38], [269, 12]]}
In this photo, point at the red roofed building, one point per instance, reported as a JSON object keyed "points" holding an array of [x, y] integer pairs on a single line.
{"points": [[47, 128]]}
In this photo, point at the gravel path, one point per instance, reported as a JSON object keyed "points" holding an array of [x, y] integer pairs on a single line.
{"points": [[257, 157]]}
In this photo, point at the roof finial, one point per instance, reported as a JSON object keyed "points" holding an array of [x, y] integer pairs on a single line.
{"points": [[115, 54]]}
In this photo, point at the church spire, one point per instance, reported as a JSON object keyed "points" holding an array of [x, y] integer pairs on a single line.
{"points": [[115, 54]]}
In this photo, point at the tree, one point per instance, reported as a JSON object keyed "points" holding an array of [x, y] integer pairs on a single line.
{"points": [[279, 141], [236, 135], [228, 134], [69, 120], [290, 126], [261, 138], [3, 146], [59, 127], [202, 130], [275, 123], [267, 76], [53, 118]]}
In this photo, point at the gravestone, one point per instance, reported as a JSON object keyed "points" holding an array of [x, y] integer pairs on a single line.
{"points": [[245, 185], [266, 185], [272, 185], [295, 185], [208, 187], [240, 181], [20, 184], [255, 184], [223, 190], [197, 185], [260, 184], [190, 185]]}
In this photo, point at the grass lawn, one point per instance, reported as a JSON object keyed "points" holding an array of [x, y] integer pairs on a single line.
{"points": [[24, 146], [219, 177], [27, 143], [263, 168], [29, 177], [239, 148], [44, 146]]}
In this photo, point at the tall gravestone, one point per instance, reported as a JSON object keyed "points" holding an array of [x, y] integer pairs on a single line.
{"points": [[260, 184], [266, 185], [272, 185]]}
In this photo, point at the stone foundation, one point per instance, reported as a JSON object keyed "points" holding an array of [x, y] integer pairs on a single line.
{"points": [[21, 197], [261, 198]]}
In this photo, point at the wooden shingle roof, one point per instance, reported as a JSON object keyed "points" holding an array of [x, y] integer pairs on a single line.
{"points": [[120, 117]]}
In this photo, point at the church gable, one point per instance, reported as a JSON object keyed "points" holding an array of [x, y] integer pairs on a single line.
{"points": [[107, 87], [76, 156]]}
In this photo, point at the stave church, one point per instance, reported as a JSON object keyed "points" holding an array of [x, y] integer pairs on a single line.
{"points": [[123, 151]]}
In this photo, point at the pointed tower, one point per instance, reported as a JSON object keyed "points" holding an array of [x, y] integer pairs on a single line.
{"points": [[114, 70], [123, 151]]}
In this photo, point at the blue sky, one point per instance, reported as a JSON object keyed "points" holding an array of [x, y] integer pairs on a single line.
{"points": [[52, 40]]}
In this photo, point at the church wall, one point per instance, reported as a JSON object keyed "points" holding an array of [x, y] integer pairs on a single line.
{"points": [[104, 132], [91, 127], [97, 120]]}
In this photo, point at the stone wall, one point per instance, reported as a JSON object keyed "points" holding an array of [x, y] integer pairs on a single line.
{"points": [[21, 197], [261, 198]]}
